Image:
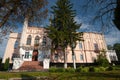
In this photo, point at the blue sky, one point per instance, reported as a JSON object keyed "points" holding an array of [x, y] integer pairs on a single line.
{"points": [[112, 35]]}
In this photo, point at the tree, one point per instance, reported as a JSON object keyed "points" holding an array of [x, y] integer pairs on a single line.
{"points": [[102, 60], [73, 38], [117, 14], [109, 47], [62, 30], [107, 12], [116, 47], [0, 60], [13, 12], [6, 64]]}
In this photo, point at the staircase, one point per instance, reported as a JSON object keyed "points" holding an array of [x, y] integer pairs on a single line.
{"points": [[31, 66]]}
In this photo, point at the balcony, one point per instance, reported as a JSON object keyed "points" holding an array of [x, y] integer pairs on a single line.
{"points": [[36, 47]]}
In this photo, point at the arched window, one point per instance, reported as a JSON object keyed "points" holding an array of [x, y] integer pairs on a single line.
{"points": [[36, 42], [16, 44], [29, 40]]}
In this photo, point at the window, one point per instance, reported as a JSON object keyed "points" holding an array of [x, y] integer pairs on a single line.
{"points": [[81, 57], [16, 44], [26, 55], [113, 58], [93, 59], [29, 40], [44, 41], [80, 45], [37, 38], [74, 57], [96, 46], [56, 56]]}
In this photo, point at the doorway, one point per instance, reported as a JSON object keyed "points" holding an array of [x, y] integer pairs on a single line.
{"points": [[35, 55]]}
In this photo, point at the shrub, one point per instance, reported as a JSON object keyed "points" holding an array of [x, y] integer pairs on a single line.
{"points": [[101, 69], [60, 70], [117, 67], [110, 68], [91, 69], [52, 69], [6, 65], [70, 69], [85, 69], [79, 69], [102, 60], [96, 69]]}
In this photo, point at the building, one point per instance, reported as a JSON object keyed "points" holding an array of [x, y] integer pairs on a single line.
{"points": [[33, 45], [112, 54]]}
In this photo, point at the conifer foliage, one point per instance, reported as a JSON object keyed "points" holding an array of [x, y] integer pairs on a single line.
{"points": [[62, 30], [6, 64]]}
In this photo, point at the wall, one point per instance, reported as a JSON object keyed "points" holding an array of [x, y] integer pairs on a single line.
{"points": [[87, 52], [10, 46]]}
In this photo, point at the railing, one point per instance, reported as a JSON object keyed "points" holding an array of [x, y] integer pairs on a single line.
{"points": [[40, 47], [17, 62]]}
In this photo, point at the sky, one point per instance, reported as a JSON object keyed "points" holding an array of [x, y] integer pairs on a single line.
{"points": [[112, 35]]}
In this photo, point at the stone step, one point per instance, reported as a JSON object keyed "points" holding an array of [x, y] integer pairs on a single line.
{"points": [[31, 65]]}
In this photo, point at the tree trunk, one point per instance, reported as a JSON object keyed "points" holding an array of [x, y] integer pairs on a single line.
{"points": [[65, 60], [73, 57]]}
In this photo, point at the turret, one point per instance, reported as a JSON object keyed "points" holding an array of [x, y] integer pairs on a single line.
{"points": [[23, 34]]}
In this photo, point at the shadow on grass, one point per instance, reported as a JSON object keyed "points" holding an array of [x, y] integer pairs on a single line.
{"points": [[27, 77], [107, 75], [84, 76]]}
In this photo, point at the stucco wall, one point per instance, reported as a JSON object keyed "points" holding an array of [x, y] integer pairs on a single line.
{"points": [[87, 50], [10, 46]]}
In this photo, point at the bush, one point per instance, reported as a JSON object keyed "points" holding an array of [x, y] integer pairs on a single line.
{"points": [[85, 69], [70, 69], [91, 69], [116, 67], [96, 69], [110, 68], [6, 65], [103, 62], [60, 70], [101, 69], [52, 69], [79, 69]]}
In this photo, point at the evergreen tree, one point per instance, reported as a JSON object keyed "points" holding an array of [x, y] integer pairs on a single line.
{"points": [[62, 30], [116, 47], [6, 64]]}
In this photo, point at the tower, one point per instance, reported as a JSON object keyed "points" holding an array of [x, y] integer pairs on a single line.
{"points": [[23, 34]]}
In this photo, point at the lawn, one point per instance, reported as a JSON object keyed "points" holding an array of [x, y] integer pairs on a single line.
{"points": [[107, 75]]}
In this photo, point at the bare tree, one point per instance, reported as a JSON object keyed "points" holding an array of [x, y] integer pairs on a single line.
{"points": [[107, 12], [13, 12]]}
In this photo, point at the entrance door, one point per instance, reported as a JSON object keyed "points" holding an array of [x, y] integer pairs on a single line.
{"points": [[35, 55]]}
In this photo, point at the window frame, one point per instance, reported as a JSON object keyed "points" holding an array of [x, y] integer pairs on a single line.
{"points": [[81, 57], [26, 55], [29, 40]]}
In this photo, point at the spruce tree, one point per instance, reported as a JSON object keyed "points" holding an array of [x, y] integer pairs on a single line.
{"points": [[62, 30]]}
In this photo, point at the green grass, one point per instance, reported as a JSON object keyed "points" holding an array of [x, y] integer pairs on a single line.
{"points": [[107, 75]]}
